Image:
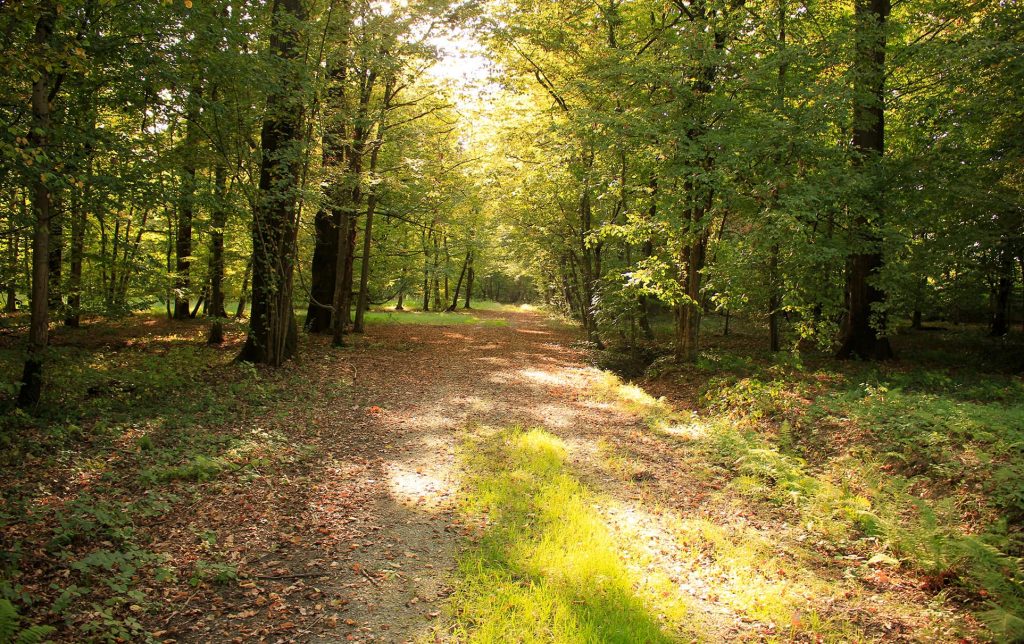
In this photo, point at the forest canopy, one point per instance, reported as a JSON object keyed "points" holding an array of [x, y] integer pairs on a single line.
{"points": [[827, 169]]}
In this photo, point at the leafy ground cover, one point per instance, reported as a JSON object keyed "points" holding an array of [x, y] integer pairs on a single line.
{"points": [[479, 481]]}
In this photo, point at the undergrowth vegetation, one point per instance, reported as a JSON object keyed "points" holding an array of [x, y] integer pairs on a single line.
{"points": [[128, 432], [914, 464]]}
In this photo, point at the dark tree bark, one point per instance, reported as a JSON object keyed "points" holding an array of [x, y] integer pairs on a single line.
{"points": [[860, 336], [38, 334], [273, 333], [1002, 289], [240, 309], [339, 297], [324, 269], [458, 285], [74, 307], [694, 254], [323, 272], [11, 285], [470, 278], [56, 255], [218, 219], [591, 273], [371, 206], [186, 207]]}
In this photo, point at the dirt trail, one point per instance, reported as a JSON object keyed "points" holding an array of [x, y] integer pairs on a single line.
{"points": [[359, 542]]}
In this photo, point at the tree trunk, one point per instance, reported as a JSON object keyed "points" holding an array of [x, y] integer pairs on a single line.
{"points": [[774, 287], [273, 333], [470, 278], [458, 285], [56, 256], [773, 299], [371, 206], [218, 219], [860, 337], [323, 273], [689, 313], [425, 242], [11, 287], [240, 310], [186, 207], [694, 253], [401, 291], [437, 266], [39, 324], [74, 306], [1000, 298], [336, 149]]}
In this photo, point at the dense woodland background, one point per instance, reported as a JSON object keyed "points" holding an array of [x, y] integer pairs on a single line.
{"points": [[826, 176], [846, 168]]}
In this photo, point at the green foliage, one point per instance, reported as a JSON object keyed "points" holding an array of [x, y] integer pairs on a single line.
{"points": [[545, 567], [213, 572], [10, 630]]}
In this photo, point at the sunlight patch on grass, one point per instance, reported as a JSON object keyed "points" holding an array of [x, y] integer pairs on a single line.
{"points": [[631, 399], [430, 318], [546, 568], [743, 569]]}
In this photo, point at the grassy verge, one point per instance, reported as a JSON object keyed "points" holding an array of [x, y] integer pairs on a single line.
{"points": [[430, 318], [545, 567], [912, 472]]}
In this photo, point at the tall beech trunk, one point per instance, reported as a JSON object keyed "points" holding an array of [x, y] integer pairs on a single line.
{"points": [[698, 227], [1002, 289], [689, 313], [11, 287], [589, 277], [774, 287], [470, 277], [240, 309], [426, 269], [186, 207], [56, 255], [39, 324], [400, 306], [339, 297], [79, 206], [359, 326], [458, 285], [324, 269], [273, 333], [218, 219], [859, 336]]}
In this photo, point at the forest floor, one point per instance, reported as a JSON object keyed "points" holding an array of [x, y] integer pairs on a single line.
{"points": [[447, 482]]}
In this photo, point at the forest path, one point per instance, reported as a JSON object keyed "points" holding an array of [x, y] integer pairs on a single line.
{"points": [[359, 539], [423, 389]]}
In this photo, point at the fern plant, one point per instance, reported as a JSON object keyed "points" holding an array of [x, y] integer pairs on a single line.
{"points": [[11, 631]]}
